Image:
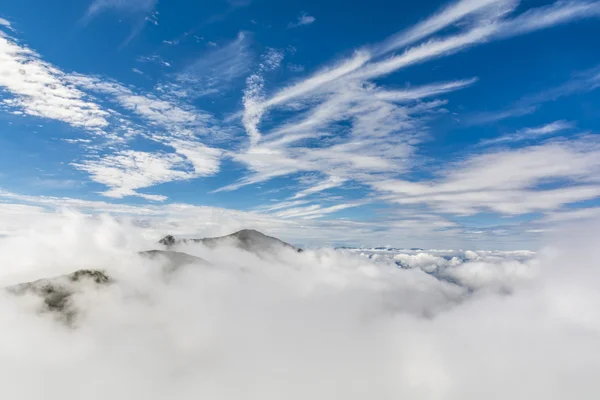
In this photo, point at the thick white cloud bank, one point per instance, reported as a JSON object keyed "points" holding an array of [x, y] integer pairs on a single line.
{"points": [[322, 324]]}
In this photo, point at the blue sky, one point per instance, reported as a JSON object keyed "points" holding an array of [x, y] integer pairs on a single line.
{"points": [[438, 124]]}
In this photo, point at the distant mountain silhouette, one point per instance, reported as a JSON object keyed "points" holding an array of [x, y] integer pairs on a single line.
{"points": [[175, 259], [247, 239]]}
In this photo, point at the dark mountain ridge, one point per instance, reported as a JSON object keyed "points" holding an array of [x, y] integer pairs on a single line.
{"points": [[56, 292]]}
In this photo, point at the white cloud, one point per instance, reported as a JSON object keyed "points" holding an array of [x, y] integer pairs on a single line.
{"points": [[173, 124], [494, 28], [543, 17], [497, 27], [40, 89], [448, 16], [15, 216], [303, 19], [421, 92], [147, 106], [271, 60], [369, 133], [217, 69], [301, 324], [281, 205], [579, 215], [432, 49], [153, 18], [493, 116], [295, 67], [410, 228], [313, 211], [128, 6], [140, 11], [155, 58], [508, 181], [253, 94], [492, 25], [343, 127], [6, 24], [329, 183], [530, 133], [127, 171], [581, 82], [381, 139], [204, 159], [317, 80]]}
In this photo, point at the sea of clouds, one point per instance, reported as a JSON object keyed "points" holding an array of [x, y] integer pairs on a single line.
{"points": [[321, 324]]}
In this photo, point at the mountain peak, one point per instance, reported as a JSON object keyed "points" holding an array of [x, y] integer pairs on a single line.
{"points": [[247, 239]]}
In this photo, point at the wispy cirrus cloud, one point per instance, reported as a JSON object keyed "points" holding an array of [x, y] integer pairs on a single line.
{"points": [[343, 124], [329, 183], [6, 24], [517, 181], [303, 19], [377, 115], [113, 114], [495, 25], [128, 6], [530, 133], [127, 171], [313, 212], [216, 69], [557, 13], [446, 17], [140, 11], [175, 125], [155, 58], [147, 106], [254, 93], [295, 67], [370, 133], [580, 82], [35, 87], [487, 117]]}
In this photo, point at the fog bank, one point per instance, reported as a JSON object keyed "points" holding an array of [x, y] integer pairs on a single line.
{"points": [[321, 324]]}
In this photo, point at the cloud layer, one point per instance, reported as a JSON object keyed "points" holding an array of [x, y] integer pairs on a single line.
{"points": [[317, 324]]}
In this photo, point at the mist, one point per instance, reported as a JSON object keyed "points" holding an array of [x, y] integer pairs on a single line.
{"points": [[320, 324]]}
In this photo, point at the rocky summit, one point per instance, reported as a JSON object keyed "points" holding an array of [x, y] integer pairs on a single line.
{"points": [[56, 292], [175, 259]]}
